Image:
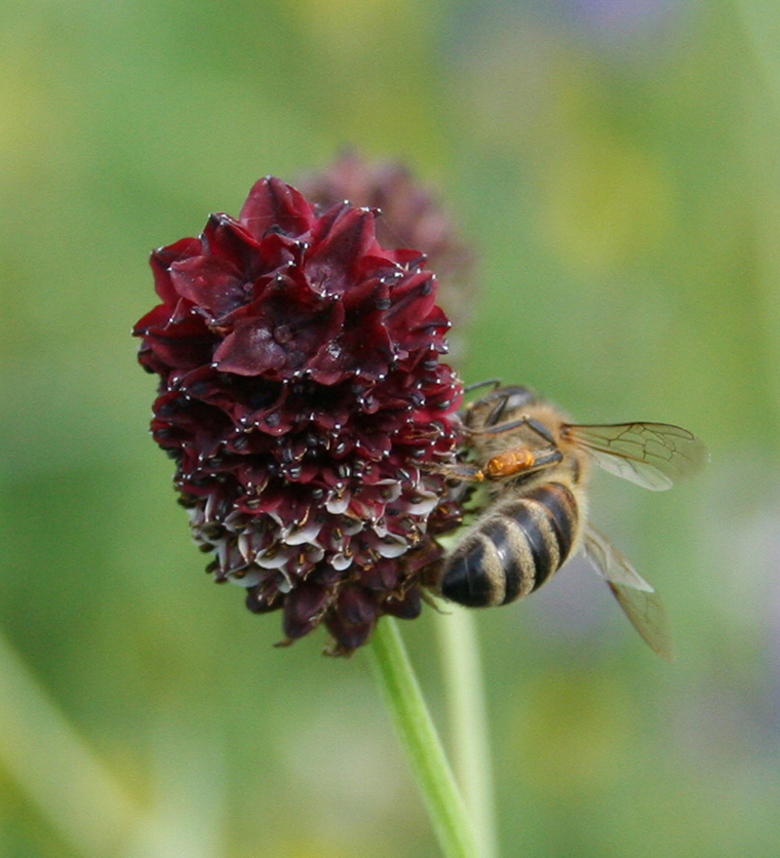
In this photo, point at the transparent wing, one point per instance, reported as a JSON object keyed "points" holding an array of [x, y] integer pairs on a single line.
{"points": [[652, 455], [639, 601]]}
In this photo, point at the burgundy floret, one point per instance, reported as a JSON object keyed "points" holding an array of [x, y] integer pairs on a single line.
{"points": [[303, 399]]}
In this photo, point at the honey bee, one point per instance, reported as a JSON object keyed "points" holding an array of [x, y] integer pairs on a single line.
{"points": [[536, 466]]}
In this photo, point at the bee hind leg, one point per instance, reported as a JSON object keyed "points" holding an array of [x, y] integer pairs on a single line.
{"points": [[459, 471]]}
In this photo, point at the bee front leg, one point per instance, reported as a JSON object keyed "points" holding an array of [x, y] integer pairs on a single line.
{"points": [[531, 422]]}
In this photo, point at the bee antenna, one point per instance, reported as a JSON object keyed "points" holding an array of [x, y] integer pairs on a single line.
{"points": [[496, 382]]}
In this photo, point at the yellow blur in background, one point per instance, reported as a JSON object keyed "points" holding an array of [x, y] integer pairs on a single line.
{"points": [[616, 164]]}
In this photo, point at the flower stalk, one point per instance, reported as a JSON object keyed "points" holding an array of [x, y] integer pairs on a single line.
{"points": [[467, 720], [395, 676]]}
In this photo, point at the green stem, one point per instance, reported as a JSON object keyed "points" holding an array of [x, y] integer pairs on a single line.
{"points": [[420, 741], [468, 723]]}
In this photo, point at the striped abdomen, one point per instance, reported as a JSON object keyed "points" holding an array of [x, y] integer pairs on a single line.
{"points": [[513, 549]]}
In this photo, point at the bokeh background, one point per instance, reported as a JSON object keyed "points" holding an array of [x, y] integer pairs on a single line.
{"points": [[616, 163]]}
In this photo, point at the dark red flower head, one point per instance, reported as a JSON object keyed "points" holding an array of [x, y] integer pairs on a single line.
{"points": [[303, 399]]}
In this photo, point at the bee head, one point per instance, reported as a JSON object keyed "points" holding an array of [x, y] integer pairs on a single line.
{"points": [[493, 408]]}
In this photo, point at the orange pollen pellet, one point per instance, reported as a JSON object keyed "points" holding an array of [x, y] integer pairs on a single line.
{"points": [[509, 463]]}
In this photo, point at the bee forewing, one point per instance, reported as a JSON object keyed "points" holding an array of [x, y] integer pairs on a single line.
{"points": [[639, 601], [640, 473], [652, 455]]}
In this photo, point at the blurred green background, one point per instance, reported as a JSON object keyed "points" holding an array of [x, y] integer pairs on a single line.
{"points": [[616, 162]]}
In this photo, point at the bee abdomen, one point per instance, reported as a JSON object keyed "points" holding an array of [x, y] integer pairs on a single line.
{"points": [[514, 549]]}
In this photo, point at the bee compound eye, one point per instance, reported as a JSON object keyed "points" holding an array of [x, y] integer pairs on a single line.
{"points": [[517, 397]]}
